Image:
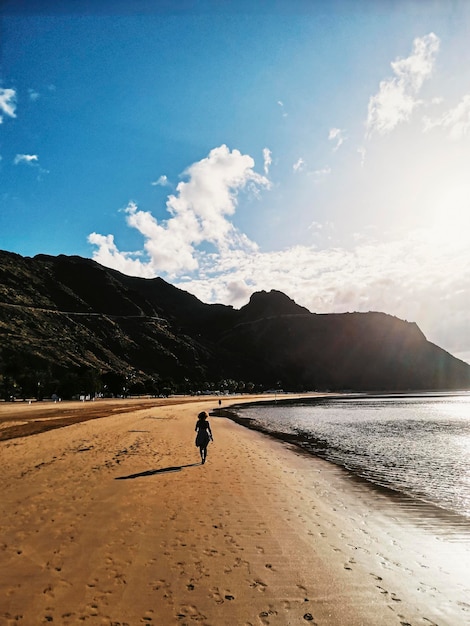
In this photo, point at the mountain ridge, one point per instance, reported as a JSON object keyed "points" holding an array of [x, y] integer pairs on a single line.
{"points": [[66, 318]]}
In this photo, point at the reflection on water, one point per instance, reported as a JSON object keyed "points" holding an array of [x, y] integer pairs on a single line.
{"points": [[417, 447]]}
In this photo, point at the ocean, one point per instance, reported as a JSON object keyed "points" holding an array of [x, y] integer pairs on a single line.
{"points": [[416, 446]]}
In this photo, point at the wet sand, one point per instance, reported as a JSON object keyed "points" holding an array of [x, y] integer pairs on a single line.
{"points": [[113, 521]]}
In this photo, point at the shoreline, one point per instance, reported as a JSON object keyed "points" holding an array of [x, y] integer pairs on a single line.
{"points": [[437, 519], [261, 534]]}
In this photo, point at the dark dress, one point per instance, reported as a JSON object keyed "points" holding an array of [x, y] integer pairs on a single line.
{"points": [[203, 433]]}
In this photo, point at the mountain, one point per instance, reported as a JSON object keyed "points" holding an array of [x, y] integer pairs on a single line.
{"points": [[69, 325]]}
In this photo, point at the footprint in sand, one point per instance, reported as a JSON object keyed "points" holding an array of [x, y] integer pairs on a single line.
{"points": [[210, 552], [13, 618], [265, 615], [93, 608], [148, 617], [164, 586], [119, 579], [48, 591], [201, 569], [349, 563], [215, 595], [259, 585], [190, 611], [424, 588]]}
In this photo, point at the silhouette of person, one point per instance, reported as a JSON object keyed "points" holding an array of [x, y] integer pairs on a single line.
{"points": [[204, 434]]}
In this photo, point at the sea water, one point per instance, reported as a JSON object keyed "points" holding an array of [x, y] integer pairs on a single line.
{"points": [[414, 445]]}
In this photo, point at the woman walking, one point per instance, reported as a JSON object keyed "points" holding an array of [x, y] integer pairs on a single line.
{"points": [[204, 434]]}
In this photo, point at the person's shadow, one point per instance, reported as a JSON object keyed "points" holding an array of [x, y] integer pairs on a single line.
{"points": [[163, 470]]}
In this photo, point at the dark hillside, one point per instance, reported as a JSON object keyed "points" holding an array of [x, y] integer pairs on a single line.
{"points": [[71, 319]]}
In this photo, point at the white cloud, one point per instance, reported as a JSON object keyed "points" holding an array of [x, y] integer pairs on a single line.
{"points": [[362, 151], [238, 291], [321, 174], [33, 161], [267, 159], [7, 103], [198, 211], [299, 165], [30, 159], [162, 181], [456, 121], [33, 95], [318, 175], [415, 276], [110, 256], [337, 135], [281, 104], [404, 277], [322, 230], [397, 96]]}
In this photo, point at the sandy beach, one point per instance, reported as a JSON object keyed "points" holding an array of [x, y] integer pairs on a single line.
{"points": [[113, 521]]}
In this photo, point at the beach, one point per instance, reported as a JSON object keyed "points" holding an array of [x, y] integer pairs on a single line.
{"points": [[113, 521]]}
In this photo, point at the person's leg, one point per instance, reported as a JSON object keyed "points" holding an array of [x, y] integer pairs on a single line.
{"points": [[203, 454]]}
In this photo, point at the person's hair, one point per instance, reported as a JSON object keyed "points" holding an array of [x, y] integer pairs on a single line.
{"points": [[202, 415]]}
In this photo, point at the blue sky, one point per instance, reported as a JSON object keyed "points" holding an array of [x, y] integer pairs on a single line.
{"points": [[319, 148]]}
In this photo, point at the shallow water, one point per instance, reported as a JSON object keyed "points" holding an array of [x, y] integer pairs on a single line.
{"points": [[417, 446]]}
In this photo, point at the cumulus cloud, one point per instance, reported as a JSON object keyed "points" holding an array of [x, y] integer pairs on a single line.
{"points": [[456, 121], [30, 159], [199, 249], [7, 103], [403, 277], [267, 160], [336, 135], [198, 215], [110, 256], [162, 181], [397, 97]]}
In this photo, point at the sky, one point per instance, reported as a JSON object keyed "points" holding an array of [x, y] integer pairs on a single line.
{"points": [[319, 148]]}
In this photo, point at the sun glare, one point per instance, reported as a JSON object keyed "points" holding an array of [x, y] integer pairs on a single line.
{"points": [[449, 216]]}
